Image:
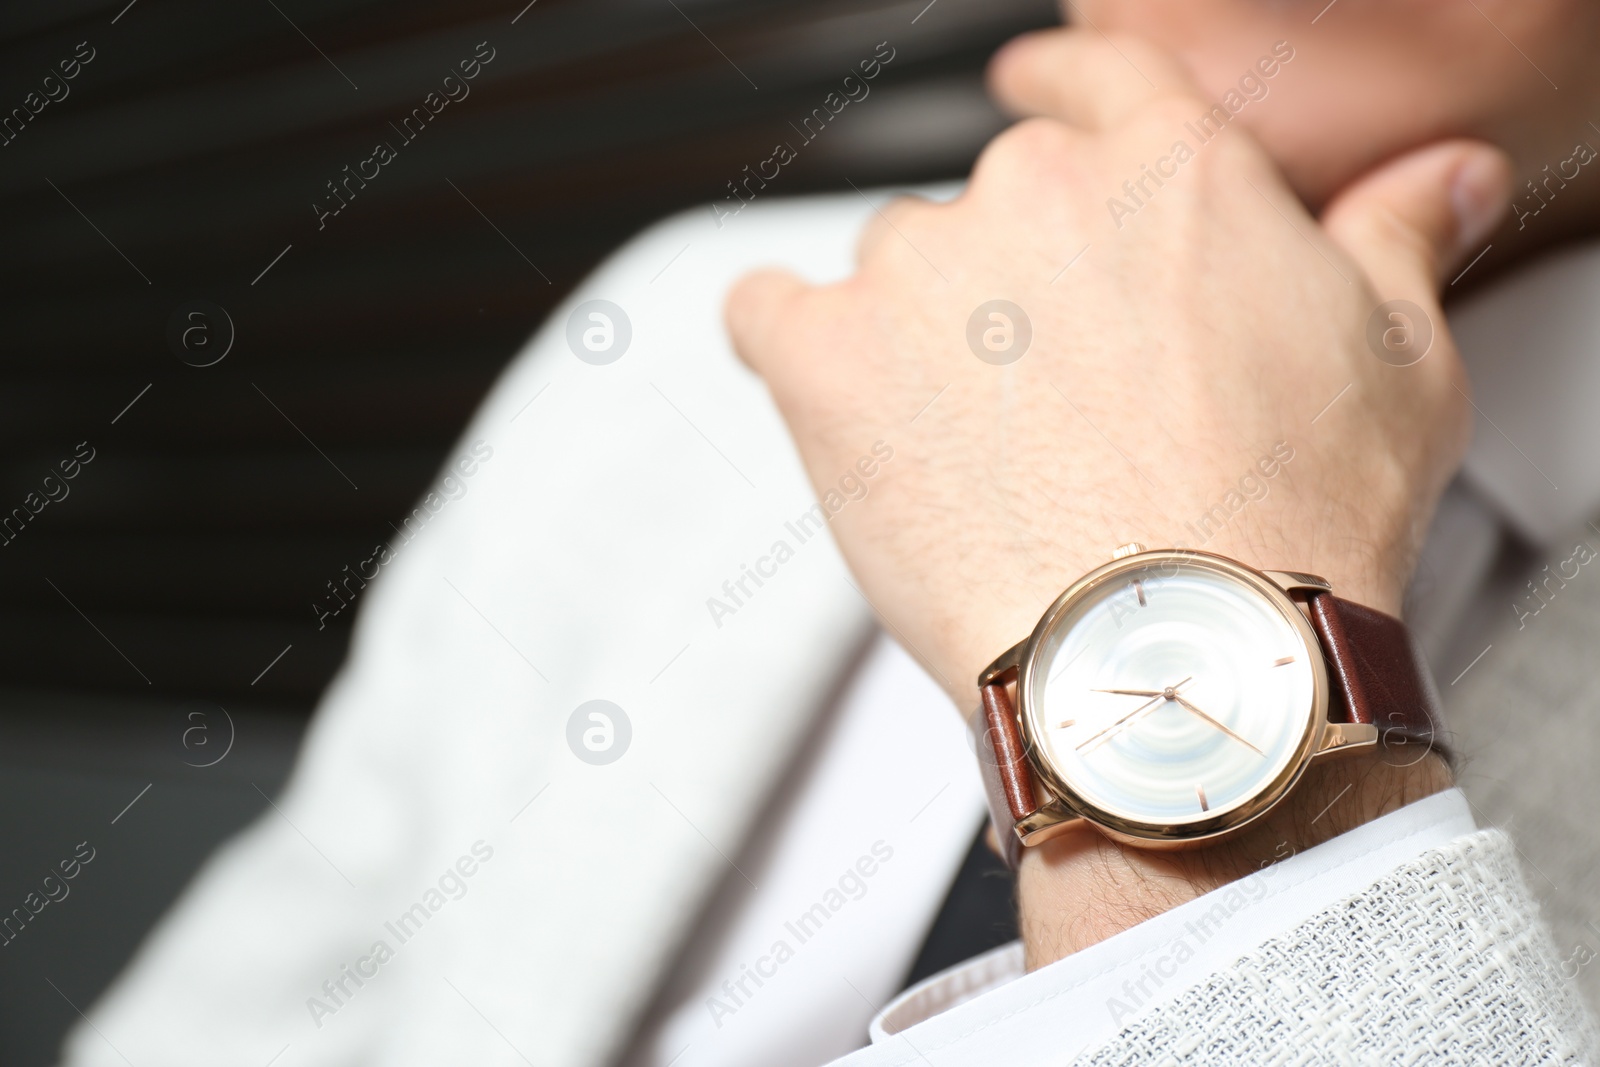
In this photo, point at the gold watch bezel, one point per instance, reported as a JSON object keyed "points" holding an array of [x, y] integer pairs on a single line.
{"points": [[1065, 805]]}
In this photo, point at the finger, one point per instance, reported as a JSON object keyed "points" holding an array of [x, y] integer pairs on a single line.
{"points": [[888, 220], [1083, 77], [1411, 221], [754, 311]]}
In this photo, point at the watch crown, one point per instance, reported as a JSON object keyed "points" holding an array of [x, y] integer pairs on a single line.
{"points": [[1130, 549]]}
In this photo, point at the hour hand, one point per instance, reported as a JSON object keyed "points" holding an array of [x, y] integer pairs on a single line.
{"points": [[1169, 693]]}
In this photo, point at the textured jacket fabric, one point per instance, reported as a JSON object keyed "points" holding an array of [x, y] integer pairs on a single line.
{"points": [[1445, 961]]}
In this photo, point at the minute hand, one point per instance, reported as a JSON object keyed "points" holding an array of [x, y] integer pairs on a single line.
{"points": [[1219, 726]]}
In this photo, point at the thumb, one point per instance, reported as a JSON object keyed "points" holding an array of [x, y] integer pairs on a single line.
{"points": [[1409, 222], [754, 311]]}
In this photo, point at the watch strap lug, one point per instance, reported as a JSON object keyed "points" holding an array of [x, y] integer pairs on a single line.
{"points": [[1293, 582], [1050, 820], [1002, 669], [1347, 737]]}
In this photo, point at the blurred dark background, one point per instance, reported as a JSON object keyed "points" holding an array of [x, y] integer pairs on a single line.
{"points": [[158, 643]]}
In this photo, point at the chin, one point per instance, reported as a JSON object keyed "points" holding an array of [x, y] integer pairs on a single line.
{"points": [[1323, 149]]}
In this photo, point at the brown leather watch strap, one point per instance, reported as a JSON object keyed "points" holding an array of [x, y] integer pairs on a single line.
{"points": [[1003, 762], [1378, 674]]}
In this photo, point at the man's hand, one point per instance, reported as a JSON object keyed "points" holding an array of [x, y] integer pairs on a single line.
{"points": [[1181, 345]]}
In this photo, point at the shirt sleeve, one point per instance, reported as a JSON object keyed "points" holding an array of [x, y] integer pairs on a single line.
{"points": [[1408, 933]]}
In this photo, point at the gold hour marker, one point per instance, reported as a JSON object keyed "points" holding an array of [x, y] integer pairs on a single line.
{"points": [[1138, 587], [1065, 723], [1200, 791], [1282, 661]]}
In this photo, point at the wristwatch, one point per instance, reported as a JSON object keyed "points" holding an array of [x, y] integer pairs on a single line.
{"points": [[1171, 697]]}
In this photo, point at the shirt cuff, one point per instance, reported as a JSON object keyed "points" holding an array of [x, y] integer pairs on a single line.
{"points": [[1108, 985]]}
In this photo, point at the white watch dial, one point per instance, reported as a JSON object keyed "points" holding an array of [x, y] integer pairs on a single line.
{"points": [[1172, 694]]}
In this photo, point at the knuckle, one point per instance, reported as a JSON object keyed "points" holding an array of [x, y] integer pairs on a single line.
{"points": [[1125, 48], [903, 211], [759, 306], [1168, 112], [900, 216], [1243, 155], [745, 295], [1174, 116], [1032, 147]]}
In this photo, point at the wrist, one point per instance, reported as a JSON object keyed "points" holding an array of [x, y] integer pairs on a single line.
{"points": [[1081, 888]]}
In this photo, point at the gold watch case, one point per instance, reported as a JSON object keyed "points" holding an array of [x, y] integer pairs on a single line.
{"points": [[1062, 809]]}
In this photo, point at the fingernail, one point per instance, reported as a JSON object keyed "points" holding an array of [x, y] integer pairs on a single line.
{"points": [[1480, 195]]}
